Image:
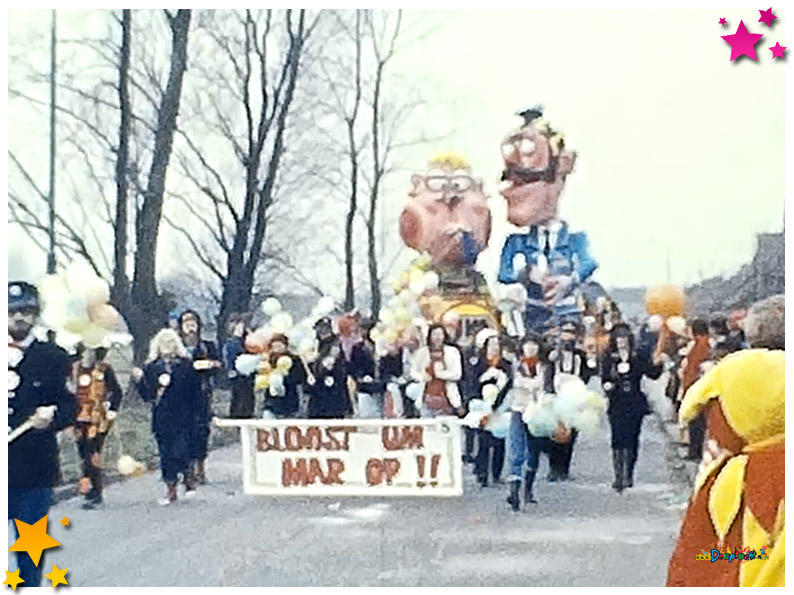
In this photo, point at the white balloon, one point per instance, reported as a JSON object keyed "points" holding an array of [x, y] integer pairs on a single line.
{"points": [[281, 322], [407, 297], [247, 363], [417, 287], [97, 292], [306, 347], [271, 306], [79, 275], [431, 280]]}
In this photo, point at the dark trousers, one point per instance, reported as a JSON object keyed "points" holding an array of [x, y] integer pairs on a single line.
{"points": [[470, 434], [697, 433], [175, 455], [490, 456], [560, 456], [242, 405], [29, 506], [90, 449]]}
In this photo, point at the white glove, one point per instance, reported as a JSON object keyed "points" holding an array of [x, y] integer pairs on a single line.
{"points": [[136, 374], [43, 416], [111, 415]]}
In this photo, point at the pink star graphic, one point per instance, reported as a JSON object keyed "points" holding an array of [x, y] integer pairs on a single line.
{"points": [[743, 42], [723, 22], [767, 17], [777, 51]]}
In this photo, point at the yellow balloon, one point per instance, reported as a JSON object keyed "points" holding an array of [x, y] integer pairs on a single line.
{"points": [[93, 336], [403, 317], [77, 325], [417, 276], [284, 364], [262, 381]]}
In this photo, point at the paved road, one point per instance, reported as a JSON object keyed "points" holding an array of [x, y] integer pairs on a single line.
{"points": [[580, 534]]}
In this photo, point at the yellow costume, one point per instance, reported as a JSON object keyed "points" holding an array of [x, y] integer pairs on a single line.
{"points": [[739, 497]]}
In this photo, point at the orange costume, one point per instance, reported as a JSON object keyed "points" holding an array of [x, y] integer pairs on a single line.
{"points": [[739, 496]]}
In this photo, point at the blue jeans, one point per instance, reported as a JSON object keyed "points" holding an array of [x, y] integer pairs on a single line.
{"points": [[524, 447], [29, 506]]}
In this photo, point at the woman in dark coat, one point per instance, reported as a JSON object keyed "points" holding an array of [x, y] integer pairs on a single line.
{"points": [[242, 387], [622, 369], [491, 368], [171, 384], [328, 387], [284, 403]]}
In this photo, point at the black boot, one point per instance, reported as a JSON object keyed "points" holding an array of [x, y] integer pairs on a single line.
{"points": [[512, 499], [529, 480], [632, 460], [618, 466], [627, 468]]}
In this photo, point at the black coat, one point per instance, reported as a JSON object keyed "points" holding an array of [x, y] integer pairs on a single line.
{"points": [[480, 367], [205, 350], [42, 373], [289, 404], [178, 408], [329, 398], [361, 367], [627, 402]]}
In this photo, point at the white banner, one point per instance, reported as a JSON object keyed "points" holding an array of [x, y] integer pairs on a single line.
{"points": [[398, 457]]}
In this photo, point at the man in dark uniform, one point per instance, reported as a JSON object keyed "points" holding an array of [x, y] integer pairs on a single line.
{"points": [[566, 358], [207, 363], [37, 393]]}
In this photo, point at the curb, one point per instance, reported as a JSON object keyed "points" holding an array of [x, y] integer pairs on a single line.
{"points": [[683, 470]]}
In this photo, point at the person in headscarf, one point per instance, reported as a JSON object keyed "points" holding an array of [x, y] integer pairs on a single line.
{"points": [[170, 383], [739, 495]]}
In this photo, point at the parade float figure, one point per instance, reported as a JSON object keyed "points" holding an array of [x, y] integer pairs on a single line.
{"points": [[739, 495], [447, 214], [547, 258], [447, 220]]}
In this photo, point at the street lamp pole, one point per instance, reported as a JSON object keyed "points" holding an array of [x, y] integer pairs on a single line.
{"points": [[51, 198]]}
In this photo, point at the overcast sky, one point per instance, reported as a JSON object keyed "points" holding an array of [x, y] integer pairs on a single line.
{"points": [[679, 149]]}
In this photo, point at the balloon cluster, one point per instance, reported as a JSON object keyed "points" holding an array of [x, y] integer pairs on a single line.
{"points": [[75, 305], [257, 360], [483, 415], [573, 406], [416, 297]]}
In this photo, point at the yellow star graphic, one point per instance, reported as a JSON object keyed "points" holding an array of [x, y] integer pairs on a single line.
{"points": [[13, 579], [33, 539], [57, 576], [65, 522]]}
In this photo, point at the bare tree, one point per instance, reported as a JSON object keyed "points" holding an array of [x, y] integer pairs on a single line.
{"points": [[87, 110], [375, 122], [243, 99]]}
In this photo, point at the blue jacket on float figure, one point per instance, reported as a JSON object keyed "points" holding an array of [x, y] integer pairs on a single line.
{"points": [[568, 255]]}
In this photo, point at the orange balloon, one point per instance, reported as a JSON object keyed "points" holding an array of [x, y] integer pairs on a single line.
{"points": [[665, 300], [104, 315]]}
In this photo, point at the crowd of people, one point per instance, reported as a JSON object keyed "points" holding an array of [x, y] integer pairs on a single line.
{"points": [[428, 376]]}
